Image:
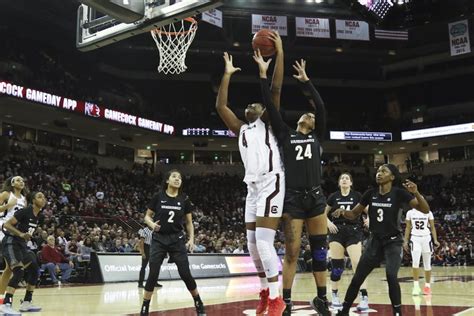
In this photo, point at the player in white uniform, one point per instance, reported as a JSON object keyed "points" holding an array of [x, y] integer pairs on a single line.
{"points": [[421, 227], [265, 179], [12, 199]]}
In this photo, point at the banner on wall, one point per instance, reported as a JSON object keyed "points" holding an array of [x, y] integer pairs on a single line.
{"points": [[438, 131], [352, 30], [272, 22], [312, 27], [213, 17], [459, 37]]}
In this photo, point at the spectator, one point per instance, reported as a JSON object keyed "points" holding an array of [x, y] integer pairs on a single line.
{"points": [[54, 261]]}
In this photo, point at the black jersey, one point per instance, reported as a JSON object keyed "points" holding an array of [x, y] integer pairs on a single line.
{"points": [[301, 153], [27, 222], [385, 211], [170, 211], [337, 200]]}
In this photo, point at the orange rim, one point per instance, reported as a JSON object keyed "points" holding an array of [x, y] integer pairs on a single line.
{"points": [[193, 22]]}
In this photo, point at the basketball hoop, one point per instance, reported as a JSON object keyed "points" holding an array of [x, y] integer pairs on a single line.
{"points": [[173, 41]]}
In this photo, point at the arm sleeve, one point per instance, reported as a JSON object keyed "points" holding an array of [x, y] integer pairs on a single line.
{"points": [[188, 205], [365, 200], [152, 204], [278, 125], [317, 102]]}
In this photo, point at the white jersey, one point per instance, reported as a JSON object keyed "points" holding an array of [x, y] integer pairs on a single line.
{"points": [[259, 150], [419, 222], [20, 203]]}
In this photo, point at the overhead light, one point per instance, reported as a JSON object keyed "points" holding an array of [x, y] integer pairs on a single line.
{"points": [[148, 147], [402, 147], [339, 50], [236, 44], [223, 145], [318, 1], [154, 144], [392, 52], [101, 135], [434, 144], [67, 118], [114, 129], [8, 115]]}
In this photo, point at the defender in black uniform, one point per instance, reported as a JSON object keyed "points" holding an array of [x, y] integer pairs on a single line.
{"points": [[19, 230], [304, 199], [346, 234], [165, 216], [385, 209]]}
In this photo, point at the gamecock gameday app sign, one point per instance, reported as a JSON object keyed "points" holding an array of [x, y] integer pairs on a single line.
{"points": [[84, 108]]}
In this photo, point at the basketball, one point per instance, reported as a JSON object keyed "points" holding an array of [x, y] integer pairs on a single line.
{"points": [[261, 40]]}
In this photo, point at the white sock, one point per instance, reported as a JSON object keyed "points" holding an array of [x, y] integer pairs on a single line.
{"points": [[427, 285], [263, 283], [273, 286], [416, 283]]}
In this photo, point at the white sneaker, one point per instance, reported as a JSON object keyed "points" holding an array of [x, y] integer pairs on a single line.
{"points": [[7, 310], [335, 302], [363, 304], [29, 307]]}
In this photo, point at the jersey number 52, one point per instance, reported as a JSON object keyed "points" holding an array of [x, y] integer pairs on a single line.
{"points": [[307, 152]]}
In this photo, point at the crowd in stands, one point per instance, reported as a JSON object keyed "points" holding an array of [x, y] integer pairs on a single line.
{"points": [[95, 209]]}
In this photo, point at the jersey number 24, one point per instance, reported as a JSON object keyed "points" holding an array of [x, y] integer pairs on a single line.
{"points": [[300, 155]]}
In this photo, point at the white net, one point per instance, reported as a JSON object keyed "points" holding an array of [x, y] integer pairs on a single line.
{"points": [[173, 41]]}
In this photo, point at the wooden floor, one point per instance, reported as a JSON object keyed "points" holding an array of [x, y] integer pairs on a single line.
{"points": [[453, 294]]}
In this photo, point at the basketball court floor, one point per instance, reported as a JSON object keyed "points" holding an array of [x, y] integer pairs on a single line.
{"points": [[453, 294]]}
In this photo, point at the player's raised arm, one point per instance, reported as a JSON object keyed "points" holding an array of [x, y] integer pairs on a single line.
{"points": [[279, 127], [278, 72], [226, 114], [419, 201], [313, 97]]}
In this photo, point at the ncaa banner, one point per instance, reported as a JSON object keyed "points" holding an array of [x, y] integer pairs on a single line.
{"points": [[272, 22], [213, 17], [352, 30], [459, 38], [312, 27]]}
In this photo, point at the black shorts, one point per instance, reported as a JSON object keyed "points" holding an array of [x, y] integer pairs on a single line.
{"points": [[347, 235], [16, 252], [304, 204], [379, 249], [172, 244]]}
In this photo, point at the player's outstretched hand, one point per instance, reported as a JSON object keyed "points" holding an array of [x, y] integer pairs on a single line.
{"points": [[332, 228], [190, 246], [262, 64], [410, 186], [337, 213], [229, 64], [157, 226], [275, 37], [300, 68]]}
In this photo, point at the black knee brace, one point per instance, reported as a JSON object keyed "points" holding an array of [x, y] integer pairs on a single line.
{"points": [[337, 269], [16, 277], [152, 277], [32, 273], [319, 251]]}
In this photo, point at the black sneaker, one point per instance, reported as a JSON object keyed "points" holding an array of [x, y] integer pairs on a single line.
{"points": [[140, 285], [144, 310], [200, 310], [320, 306], [158, 285], [289, 307]]}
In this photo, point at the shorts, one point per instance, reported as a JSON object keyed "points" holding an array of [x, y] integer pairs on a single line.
{"points": [[265, 197], [421, 244], [172, 244], [347, 235], [304, 204], [16, 252], [379, 249]]}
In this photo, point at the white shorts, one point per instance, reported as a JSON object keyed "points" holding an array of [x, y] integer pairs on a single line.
{"points": [[265, 197], [421, 244]]}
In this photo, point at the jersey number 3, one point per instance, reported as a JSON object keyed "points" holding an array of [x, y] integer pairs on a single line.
{"points": [[307, 152], [380, 215]]}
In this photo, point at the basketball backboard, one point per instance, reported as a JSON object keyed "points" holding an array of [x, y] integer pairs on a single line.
{"points": [[97, 29]]}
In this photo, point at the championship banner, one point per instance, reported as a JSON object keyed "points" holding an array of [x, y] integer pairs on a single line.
{"points": [[272, 22], [312, 27], [213, 17], [352, 30], [81, 107], [459, 38]]}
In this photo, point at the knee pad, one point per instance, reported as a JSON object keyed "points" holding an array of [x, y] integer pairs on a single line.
{"points": [[415, 257], [319, 251], [266, 250], [16, 277], [427, 260], [253, 252], [337, 269]]}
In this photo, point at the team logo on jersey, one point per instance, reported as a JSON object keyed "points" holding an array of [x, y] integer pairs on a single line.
{"points": [[274, 209]]}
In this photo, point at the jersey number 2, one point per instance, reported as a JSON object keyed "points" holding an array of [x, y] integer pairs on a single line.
{"points": [[380, 215], [170, 219], [307, 152]]}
